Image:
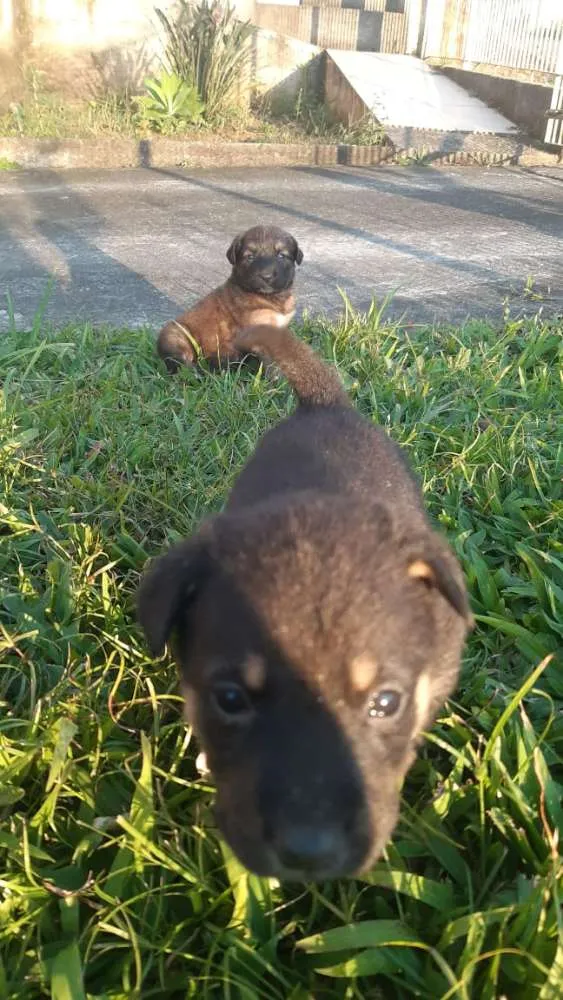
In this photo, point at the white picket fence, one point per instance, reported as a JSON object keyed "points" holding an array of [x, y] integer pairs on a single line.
{"points": [[522, 36], [515, 34]]}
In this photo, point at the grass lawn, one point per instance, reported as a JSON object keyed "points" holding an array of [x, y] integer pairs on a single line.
{"points": [[112, 882], [44, 115]]}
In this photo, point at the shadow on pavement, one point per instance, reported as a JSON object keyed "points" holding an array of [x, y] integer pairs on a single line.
{"points": [[100, 284]]}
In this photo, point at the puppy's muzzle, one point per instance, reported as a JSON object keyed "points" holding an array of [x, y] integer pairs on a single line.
{"points": [[267, 277], [311, 850]]}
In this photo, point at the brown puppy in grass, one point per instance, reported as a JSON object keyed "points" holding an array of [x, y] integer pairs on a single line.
{"points": [[318, 624], [259, 290]]}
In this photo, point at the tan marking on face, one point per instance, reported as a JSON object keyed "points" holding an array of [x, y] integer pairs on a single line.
{"points": [[421, 570], [422, 699], [363, 671], [254, 673]]}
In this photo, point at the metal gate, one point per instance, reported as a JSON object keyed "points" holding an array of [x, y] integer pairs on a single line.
{"points": [[523, 38], [513, 34]]}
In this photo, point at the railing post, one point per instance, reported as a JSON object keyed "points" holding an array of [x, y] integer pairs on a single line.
{"points": [[415, 11], [432, 28], [554, 128]]}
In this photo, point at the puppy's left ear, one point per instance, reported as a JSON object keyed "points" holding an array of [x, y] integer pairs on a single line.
{"points": [[297, 253], [234, 250]]}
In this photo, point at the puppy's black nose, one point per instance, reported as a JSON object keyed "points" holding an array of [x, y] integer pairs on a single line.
{"points": [[310, 849]]}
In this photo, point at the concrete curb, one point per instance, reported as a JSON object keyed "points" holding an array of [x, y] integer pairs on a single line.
{"points": [[64, 154]]}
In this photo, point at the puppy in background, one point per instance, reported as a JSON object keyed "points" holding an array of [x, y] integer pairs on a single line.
{"points": [[318, 624], [259, 291]]}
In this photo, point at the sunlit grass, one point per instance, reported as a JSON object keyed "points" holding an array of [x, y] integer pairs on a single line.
{"points": [[112, 882]]}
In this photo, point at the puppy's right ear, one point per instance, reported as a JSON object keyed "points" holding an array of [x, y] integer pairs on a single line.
{"points": [[234, 250], [168, 587]]}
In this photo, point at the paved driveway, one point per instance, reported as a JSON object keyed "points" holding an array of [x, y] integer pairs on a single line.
{"points": [[132, 247]]}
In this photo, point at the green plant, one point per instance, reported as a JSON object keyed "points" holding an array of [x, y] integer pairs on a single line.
{"points": [[208, 45], [365, 131], [170, 102]]}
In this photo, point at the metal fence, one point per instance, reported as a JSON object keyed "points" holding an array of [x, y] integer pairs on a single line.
{"points": [[515, 34]]}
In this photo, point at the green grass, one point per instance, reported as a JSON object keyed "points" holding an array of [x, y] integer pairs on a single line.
{"points": [[6, 164], [46, 114], [305, 114], [112, 882], [54, 116], [42, 114]]}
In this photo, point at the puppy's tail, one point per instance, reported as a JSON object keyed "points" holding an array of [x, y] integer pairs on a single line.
{"points": [[314, 382]]}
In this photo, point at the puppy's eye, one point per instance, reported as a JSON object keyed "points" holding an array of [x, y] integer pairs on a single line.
{"points": [[232, 700], [282, 254], [384, 704], [249, 256]]}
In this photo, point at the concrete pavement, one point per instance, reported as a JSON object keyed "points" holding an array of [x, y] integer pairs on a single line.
{"points": [[132, 247]]}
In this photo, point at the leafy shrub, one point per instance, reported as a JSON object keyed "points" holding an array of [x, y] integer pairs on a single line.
{"points": [[170, 102], [208, 46]]}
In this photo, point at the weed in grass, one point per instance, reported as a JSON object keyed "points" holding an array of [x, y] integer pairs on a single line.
{"points": [[308, 115], [57, 117], [53, 115], [43, 113], [112, 881]]}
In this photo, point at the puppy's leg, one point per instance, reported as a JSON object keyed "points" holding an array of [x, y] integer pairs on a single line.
{"points": [[175, 346]]}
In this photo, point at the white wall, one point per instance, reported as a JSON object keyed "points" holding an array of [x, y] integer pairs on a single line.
{"points": [[84, 46], [93, 23]]}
